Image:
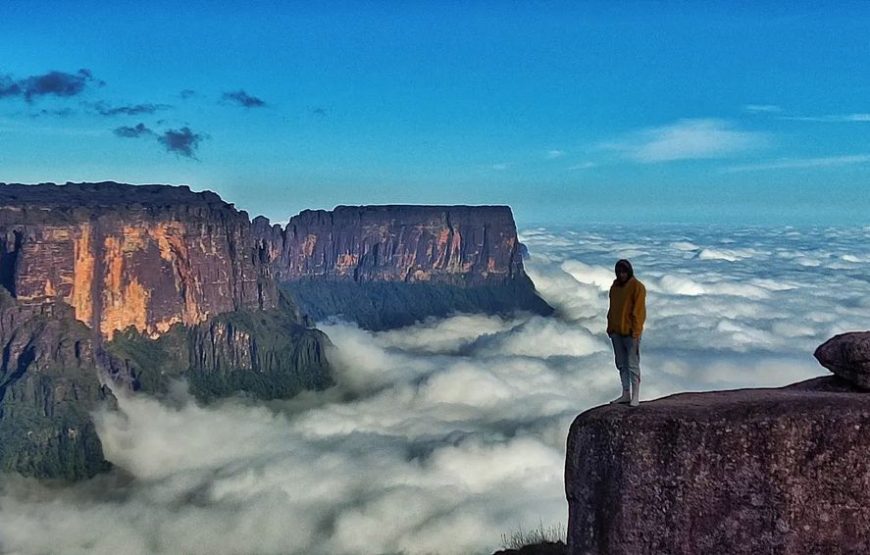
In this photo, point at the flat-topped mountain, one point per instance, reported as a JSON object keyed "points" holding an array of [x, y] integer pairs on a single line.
{"points": [[123, 255], [135, 285], [457, 245], [391, 265], [70, 196]]}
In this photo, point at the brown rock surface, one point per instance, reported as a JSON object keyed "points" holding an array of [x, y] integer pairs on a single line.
{"points": [[782, 471], [459, 245], [389, 266], [848, 356], [124, 255]]}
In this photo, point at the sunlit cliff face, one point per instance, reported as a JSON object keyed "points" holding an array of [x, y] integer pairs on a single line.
{"points": [[120, 266], [147, 275]]}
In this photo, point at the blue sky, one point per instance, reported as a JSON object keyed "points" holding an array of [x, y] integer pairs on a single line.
{"points": [[569, 112]]}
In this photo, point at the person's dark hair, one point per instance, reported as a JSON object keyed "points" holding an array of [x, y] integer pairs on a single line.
{"points": [[626, 266]]}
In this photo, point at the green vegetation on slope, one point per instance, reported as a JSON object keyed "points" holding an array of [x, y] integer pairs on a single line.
{"points": [[48, 388], [266, 354]]}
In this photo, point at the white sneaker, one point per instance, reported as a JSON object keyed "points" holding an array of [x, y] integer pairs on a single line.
{"points": [[625, 398]]}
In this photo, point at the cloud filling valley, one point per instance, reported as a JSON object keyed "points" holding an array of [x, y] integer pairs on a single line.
{"points": [[443, 436]]}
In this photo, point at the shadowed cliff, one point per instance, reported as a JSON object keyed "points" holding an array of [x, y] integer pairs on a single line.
{"points": [[48, 386]]}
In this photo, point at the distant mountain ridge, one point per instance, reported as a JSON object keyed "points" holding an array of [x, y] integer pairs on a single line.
{"points": [[391, 265]]}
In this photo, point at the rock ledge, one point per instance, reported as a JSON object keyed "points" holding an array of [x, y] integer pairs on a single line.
{"points": [[780, 470]]}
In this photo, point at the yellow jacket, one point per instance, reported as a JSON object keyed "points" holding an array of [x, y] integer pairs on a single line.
{"points": [[627, 308]]}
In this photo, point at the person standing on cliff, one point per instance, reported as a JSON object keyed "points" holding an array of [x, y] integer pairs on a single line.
{"points": [[625, 320]]}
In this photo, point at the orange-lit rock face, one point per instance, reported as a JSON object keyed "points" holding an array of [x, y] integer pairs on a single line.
{"points": [[154, 276], [125, 301], [83, 275], [110, 284], [467, 245], [308, 244], [173, 249], [345, 263], [162, 257]]}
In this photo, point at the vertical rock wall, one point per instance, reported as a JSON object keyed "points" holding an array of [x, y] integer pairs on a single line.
{"points": [[125, 256], [779, 470], [80, 263], [457, 245]]}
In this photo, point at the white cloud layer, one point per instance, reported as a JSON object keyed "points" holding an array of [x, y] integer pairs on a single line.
{"points": [[802, 163], [834, 118], [442, 436], [762, 108], [688, 139]]}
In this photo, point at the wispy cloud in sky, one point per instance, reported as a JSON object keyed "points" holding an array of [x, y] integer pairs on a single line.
{"points": [[136, 131], [59, 112], [583, 166], [833, 118], [555, 153], [688, 139], [56, 83], [105, 109], [802, 163], [762, 108], [8, 87], [183, 142], [500, 167], [244, 99]]}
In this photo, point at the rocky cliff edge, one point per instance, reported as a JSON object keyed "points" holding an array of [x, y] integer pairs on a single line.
{"points": [[779, 470]]}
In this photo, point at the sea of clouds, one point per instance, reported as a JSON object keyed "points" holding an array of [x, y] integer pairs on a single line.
{"points": [[441, 437]]}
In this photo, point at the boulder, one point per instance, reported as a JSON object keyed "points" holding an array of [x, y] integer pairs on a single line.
{"points": [[848, 356]]}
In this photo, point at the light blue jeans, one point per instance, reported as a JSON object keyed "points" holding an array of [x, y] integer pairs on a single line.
{"points": [[626, 350]]}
